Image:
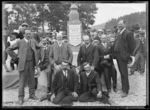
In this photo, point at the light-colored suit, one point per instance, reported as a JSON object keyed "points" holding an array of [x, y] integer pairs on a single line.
{"points": [[21, 45], [66, 53]]}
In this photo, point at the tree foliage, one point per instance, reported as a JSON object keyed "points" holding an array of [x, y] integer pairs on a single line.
{"points": [[53, 14], [131, 19]]}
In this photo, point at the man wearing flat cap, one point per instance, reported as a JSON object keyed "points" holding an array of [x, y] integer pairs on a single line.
{"points": [[22, 29], [140, 54]]}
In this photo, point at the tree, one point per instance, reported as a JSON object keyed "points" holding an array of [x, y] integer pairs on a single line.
{"points": [[86, 14]]}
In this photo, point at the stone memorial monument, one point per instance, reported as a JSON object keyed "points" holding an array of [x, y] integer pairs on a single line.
{"points": [[74, 28]]}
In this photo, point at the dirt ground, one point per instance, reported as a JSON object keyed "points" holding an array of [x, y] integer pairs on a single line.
{"points": [[137, 95]]}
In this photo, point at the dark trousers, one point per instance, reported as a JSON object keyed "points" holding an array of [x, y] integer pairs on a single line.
{"points": [[64, 98], [113, 76], [46, 66], [122, 65], [139, 63], [27, 75], [89, 96]]}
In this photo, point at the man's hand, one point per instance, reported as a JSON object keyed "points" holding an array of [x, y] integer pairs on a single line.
{"points": [[52, 97], [92, 67], [99, 95], [106, 57], [75, 94]]}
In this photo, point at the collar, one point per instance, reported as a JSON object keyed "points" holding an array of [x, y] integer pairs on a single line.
{"points": [[26, 40], [122, 31], [88, 73], [59, 44], [64, 72], [87, 45]]}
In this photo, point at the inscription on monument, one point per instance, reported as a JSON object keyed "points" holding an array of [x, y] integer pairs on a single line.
{"points": [[75, 34]]}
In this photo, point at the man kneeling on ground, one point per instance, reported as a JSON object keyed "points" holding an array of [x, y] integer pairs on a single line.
{"points": [[64, 86], [90, 86]]}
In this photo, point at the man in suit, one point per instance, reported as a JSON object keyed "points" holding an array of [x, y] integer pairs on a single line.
{"points": [[123, 49], [87, 53], [65, 86], [44, 61], [90, 85], [140, 53], [28, 60], [105, 63], [60, 51]]}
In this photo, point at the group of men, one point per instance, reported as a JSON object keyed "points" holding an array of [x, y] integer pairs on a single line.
{"points": [[64, 84]]}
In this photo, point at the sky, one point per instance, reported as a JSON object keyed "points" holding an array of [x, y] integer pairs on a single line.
{"points": [[107, 11]]}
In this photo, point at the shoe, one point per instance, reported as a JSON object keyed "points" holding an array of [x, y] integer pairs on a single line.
{"points": [[115, 90], [33, 97], [20, 102], [124, 95]]}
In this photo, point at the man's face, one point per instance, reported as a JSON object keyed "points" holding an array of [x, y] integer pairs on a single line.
{"points": [[24, 28], [59, 38], [27, 34], [87, 68], [86, 40], [100, 33], [64, 66], [121, 25], [103, 39]]}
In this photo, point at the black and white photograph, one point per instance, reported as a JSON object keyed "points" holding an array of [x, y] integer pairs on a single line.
{"points": [[75, 54]]}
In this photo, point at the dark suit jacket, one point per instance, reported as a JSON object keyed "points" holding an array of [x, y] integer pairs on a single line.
{"points": [[21, 45], [88, 55], [41, 56], [126, 45], [90, 82], [102, 52], [57, 84], [141, 47], [67, 53]]}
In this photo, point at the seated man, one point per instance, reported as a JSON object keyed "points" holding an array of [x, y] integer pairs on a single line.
{"points": [[64, 86], [90, 85], [91, 89]]}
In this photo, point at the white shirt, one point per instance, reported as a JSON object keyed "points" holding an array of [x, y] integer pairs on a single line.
{"points": [[104, 44], [122, 30], [26, 40], [87, 74], [65, 73], [87, 45]]}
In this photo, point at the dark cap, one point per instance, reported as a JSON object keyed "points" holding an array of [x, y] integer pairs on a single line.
{"points": [[135, 27]]}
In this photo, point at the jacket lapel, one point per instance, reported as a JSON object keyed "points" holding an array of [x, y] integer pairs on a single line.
{"points": [[42, 54], [25, 43], [91, 76], [89, 49]]}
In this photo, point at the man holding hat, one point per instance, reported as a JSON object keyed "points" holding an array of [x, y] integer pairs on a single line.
{"points": [[123, 49]]}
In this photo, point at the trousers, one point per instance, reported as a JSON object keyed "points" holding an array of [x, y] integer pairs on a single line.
{"points": [[27, 75]]}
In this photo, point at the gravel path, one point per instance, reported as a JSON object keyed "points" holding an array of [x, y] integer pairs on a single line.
{"points": [[136, 97]]}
